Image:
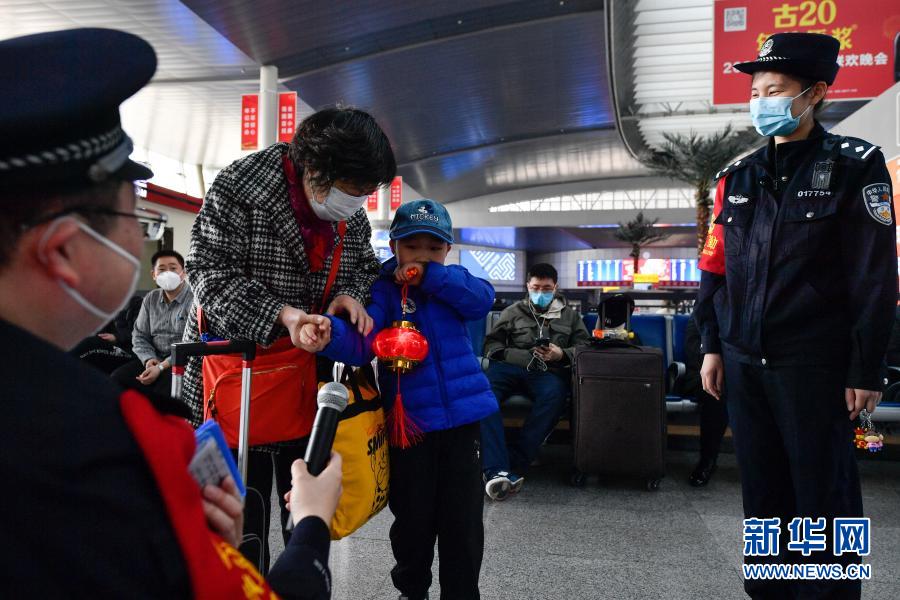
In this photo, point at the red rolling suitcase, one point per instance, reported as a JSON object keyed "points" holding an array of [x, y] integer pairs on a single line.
{"points": [[619, 412]]}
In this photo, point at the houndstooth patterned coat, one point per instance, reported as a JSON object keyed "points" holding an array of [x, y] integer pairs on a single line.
{"points": [[247, 261]]}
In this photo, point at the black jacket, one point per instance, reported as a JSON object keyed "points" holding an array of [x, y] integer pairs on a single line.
{"points": [[810, 259], [83, 516]]}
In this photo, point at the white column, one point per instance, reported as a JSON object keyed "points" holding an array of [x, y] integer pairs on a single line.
{"points": [[268, 106]]}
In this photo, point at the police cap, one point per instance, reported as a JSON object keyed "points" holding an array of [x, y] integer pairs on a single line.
{"points": [[806, 55], [59, 119]]}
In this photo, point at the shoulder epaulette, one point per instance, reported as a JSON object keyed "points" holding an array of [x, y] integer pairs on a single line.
{"points": [[735, 166], [856, 148]]}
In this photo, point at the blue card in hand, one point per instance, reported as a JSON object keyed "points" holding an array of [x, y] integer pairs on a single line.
{"points": [[212, 460]]}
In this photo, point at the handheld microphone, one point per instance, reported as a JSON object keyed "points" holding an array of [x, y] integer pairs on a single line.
{"points": [[332, 400]]}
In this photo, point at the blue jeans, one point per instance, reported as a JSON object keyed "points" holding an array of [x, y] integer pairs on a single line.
{"points": [[548, 392]]}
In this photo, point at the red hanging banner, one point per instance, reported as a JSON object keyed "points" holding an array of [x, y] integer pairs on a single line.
{"points": [[249, 121], [287, 116], [866, 30], [372, 202], [396, 193]]}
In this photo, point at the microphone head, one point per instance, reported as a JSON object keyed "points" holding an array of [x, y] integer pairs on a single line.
{"points": [[333, 395]]}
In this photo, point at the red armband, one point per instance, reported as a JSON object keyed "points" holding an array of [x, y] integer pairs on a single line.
{"points": [[712, 257]]}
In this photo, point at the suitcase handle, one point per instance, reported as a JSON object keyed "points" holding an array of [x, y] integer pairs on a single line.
{"points": [[183, 350], [613, 343]]}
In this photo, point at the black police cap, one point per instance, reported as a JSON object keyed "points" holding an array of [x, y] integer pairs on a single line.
{"points": [[806, 55], [59, 118]]}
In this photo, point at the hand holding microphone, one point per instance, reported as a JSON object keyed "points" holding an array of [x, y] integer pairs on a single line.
{"points": [[315, 488]]}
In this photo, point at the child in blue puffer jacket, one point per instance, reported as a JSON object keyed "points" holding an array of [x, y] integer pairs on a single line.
{"points": [[435, 485]]}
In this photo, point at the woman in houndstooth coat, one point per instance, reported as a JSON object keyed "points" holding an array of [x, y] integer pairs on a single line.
{"points": [[259, 258]]}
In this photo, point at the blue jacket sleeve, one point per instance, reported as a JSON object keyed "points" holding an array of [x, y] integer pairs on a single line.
{"points": [[347, 344], [469, 296]]}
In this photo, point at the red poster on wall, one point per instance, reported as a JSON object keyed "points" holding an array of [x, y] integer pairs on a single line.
{"points": [[866, 30], [249, 121], [396, 193], [287, 116], [372, 202]]}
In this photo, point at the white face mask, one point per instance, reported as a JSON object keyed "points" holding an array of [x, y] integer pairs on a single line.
{"points": [[338, 205], [168, 280], [105, 317]]}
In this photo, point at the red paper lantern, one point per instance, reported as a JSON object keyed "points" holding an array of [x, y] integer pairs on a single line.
{"points": [[401, 346]]}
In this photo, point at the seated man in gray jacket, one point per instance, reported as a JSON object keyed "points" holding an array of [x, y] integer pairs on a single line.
{"points": [[530, 349], [160, 323]]}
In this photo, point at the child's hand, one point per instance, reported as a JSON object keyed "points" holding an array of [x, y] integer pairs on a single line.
{"points": [[314, 337], [411, 273]]}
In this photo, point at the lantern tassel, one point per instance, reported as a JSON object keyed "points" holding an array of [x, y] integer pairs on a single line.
{"points": [[402, 429]]}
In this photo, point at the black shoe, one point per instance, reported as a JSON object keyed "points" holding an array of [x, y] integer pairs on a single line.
{"points": [[702, 473]]}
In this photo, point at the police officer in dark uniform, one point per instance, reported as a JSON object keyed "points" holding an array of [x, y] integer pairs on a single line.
{"points": [[99, 502], [800, 307]]}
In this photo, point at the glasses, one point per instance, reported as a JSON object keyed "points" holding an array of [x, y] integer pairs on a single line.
{"points": [[153, 223]]}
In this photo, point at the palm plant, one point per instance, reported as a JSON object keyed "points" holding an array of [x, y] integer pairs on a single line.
{"points": [[639, 232], [695, 160]]}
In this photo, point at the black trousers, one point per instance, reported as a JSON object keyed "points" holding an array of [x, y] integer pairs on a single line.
{"points": [[792, 439], [257, 505], [713, 422], [436, 494]]}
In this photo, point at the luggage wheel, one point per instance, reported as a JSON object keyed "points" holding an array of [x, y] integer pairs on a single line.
{"points": [[577, 478], [653, 485]]}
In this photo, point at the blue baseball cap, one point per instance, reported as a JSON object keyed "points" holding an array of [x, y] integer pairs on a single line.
{"points": [[422, 216]]}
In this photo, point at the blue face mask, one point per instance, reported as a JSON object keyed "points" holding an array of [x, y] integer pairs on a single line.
{"points": [[772, 115], [541, 299]]}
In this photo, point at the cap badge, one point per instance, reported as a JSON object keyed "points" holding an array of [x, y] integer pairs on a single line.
{"points": [[766, 48]]}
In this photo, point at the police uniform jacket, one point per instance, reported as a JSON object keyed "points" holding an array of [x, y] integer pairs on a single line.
{"points": [[810, 273], [84, 516]]}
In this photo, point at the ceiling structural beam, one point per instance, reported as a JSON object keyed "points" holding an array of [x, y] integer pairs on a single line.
{"points": [[498, 143]]}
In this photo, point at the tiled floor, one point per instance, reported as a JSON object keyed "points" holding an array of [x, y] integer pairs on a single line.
{"points": [[614, 540]]}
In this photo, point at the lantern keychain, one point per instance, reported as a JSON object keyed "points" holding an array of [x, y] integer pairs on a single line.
{"points": [[401, 347], [867, 437]]}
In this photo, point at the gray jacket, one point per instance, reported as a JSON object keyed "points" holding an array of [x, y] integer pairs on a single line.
{"points": [[512, 338]]}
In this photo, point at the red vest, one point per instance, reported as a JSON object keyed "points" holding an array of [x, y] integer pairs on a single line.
{"points": [[217, 570], [712, 258]]}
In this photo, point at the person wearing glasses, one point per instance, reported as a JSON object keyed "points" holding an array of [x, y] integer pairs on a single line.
{"points": [[102, 503], [159, 324], [530, 349]]}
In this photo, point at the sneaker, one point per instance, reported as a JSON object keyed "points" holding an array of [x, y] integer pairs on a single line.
{"points": [[497, 485], [515, 483], [402, 597]]}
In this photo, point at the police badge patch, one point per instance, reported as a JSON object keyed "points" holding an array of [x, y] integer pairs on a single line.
{"points": [[877, 198], [821, 178], [410, 306]]}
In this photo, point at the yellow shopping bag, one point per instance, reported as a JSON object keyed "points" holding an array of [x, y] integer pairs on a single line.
{"points": [[361, 440]]}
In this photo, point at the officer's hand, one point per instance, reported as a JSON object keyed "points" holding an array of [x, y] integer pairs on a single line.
{"points": [[314, 496], [224, 510], [861, 399], [712, 375]]}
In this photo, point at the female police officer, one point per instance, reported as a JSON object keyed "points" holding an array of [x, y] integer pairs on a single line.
{"points": [[796, 302]]}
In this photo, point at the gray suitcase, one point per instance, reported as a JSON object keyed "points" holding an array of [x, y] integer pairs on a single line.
{"points": [[619, 412]]}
